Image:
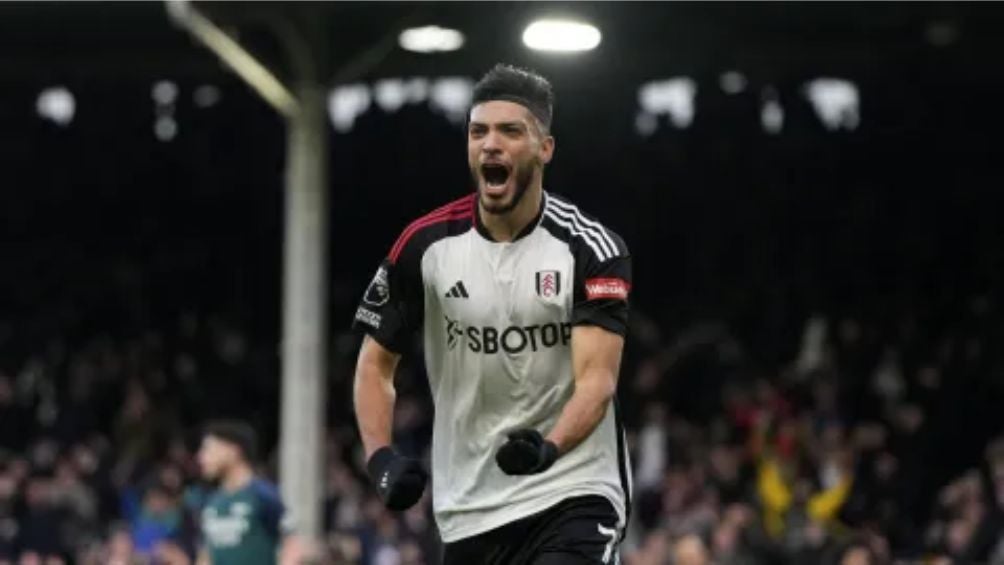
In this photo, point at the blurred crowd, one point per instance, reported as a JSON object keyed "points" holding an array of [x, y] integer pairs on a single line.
{"points": [[838, 459], [865, 448]]}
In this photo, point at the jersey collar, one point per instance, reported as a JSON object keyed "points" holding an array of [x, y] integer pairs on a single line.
{"points": [[525, 231]]}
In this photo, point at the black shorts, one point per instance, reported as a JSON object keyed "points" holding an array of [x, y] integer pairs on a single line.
{"points": [[576, 531]]}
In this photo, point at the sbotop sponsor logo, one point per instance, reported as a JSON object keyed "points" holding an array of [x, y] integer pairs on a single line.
{"points": [[511, 340]]}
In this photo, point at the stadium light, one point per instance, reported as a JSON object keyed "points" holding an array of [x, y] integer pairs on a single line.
{"points": [[772, 117], [837, 102], [346, 103], [672, 97], [57, 104], [771, 112], [561, 35], [732, 82], [206, 96], [430, 39], [165, 128], [452, 96], [164, 92]]}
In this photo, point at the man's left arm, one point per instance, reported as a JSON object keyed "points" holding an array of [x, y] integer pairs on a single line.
{"points": [[596, 359], [599, 323], [292, 550]]}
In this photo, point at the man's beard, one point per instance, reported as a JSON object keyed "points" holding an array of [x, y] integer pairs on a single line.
{"points": [[523, 178]]}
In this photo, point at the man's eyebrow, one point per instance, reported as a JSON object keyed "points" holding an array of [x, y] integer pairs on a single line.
{"points": [[506, 124]]}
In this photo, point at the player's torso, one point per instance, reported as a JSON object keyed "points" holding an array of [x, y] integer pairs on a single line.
{"points": [[497, 323], [232, 531]]}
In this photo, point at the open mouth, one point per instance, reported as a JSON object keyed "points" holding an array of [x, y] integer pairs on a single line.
{"points": [[496, 175]]}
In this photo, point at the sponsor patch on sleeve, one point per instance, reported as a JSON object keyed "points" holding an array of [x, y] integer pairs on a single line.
{"points": [[613, 288], [368, 317]]}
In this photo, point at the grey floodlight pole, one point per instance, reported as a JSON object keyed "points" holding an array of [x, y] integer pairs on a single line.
{"points": [[304, 321], [305, 305]]}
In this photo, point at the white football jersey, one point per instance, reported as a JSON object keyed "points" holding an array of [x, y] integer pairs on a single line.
{"points": [[497, 322]]}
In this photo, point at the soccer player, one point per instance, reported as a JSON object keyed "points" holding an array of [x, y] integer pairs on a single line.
{"points": [[522, 301], [242, 521]]}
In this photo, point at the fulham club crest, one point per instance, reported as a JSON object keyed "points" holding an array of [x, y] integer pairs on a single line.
{"points": [[548, 284]]}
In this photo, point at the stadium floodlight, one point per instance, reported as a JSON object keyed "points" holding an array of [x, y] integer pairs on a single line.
{"points": [[772, 117], [732, 82], [672, 97], [206, 96], [561, 35], [837, 102], [164, 92], [57, 104], [430, 39], [346, 103], [165, 128]]}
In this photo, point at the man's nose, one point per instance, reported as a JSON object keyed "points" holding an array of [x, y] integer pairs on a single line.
{"points": [[491, 143]]}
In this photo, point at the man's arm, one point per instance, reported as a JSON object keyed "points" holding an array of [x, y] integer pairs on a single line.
{"points": [[292, 551], [399, 480], [596, 359], [374, 394]]}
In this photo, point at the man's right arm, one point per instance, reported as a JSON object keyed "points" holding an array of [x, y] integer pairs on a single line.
{"points": [[399, 480], [374, 394], [390, 313]]}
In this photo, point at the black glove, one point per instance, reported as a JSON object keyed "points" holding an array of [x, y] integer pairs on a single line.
{"points": [[526, 453], [399, 480]]}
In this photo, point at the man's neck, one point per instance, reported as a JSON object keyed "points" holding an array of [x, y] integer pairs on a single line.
{"points": [[237, 478], [505, 227]]}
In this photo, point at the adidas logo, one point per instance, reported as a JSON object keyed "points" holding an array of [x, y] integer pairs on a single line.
{"points": [[457, 291]]}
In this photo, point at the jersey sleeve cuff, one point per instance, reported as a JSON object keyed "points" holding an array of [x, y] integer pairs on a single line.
{"points": [[604, 320], [389, 345]]}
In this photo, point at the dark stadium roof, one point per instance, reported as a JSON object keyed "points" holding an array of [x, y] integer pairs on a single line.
{"points": [[39, 40]]}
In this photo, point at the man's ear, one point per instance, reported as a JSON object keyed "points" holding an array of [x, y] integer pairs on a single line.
{"points": [[547, 149]]}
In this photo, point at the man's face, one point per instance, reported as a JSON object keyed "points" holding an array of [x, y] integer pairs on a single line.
{"points": [[506, 150], [215, 456]]}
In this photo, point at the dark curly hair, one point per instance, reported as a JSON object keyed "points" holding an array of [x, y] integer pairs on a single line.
{"points": [[522, 86], [235, 433]]}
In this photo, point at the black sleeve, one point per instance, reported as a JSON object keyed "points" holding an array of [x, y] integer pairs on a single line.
{"points": [[602, 289], [273, 512], [392, 307]]}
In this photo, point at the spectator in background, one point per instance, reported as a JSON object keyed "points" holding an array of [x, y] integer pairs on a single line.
{"points": [[162, 519], [857, 553], [78, 501], [15, 417], [9, 488], [41, 535], [135, 431], [118, 550], [691, 550], [729, 540], [244, 521]]}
